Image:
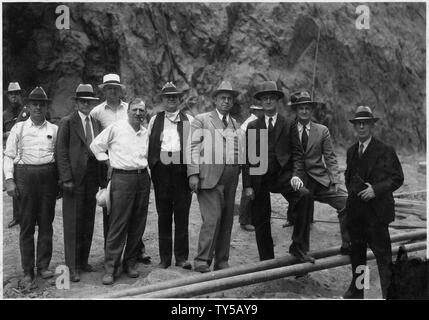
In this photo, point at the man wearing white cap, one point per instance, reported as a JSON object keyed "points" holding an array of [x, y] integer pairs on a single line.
{"points": [[244, 217], [80, 176]]}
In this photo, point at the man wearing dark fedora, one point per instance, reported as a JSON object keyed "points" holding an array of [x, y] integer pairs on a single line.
{"points": [[321, 166], [32, 178], [13, 112], [168, 135], [285, 175], [80, 177], [373, 173], [213, 174]]}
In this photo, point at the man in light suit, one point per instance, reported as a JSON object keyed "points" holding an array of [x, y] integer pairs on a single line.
{"points": [[323, 180], [81, 175], [216, 141]]}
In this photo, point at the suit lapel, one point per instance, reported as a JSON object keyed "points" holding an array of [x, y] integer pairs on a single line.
{"points": [[371, 153], [214, 119], [95, 127], [77, 126], [314, 133], [279, 127]]}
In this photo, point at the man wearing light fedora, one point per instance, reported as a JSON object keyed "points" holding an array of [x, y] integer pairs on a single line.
{"points": [[244, 217], [213, 174], [285, 175], [168, 134], [373, 173], [13, 112], [321, 166], [80, 177], [32, 178]]}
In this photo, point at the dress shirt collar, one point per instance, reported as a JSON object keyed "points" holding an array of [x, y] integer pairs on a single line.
{"points": [[365, 143], [121, 105], [142, 129], [221, 115], [267, 119], [32, 124], [307, 126], [172, 116], [83, 116]]}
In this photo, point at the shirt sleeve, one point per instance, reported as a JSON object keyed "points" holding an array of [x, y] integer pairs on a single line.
{"points": [[150, 125], [11, 152], [101, 143]]}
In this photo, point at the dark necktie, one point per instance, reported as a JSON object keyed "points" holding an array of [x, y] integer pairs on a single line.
{"points": [[270, 125], [360, 150], [88, 131], [225, 122], [304, 138]]}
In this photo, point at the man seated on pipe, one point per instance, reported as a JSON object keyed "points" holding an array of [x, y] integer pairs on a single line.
{"points": [[321, 166], [373, 173]]}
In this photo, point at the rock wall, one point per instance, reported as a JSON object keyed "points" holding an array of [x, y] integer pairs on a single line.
{"points": [[199, 44]]}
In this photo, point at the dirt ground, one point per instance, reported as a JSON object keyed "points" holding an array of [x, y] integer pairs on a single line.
{"points": [[325, 284]]}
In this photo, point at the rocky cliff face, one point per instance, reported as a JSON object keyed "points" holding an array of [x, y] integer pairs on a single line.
{"points": [[199, 44]]}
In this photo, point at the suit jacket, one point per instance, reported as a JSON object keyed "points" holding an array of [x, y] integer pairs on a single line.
{"points": [[319, 156], [287, 148], [207, 143], [384, 173], [72, 152]]}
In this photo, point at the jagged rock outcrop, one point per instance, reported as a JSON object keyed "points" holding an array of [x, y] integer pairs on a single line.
{"points": [[199, 44]]}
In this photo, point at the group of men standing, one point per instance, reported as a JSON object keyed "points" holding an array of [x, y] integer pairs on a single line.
{"points": [[107, 146]]}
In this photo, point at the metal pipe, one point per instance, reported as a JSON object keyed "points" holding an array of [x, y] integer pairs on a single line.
{"points": [[198, 289], [248, 268]]}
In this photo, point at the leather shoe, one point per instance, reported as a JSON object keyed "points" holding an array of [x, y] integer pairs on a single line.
{"points": [[45, 273], [184, 264], [353, 293], [13, 223], [301, 255], [203, 268], [74, 276], [132, 272], [144, 258], [247, 227], [163, 265], [27, 280], [221, 266], [108, 279], [87, 268]]}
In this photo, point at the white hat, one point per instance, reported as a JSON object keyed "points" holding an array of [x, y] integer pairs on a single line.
{"points": [[103, 198], [255, 107], [13, 86], [111, 79]]}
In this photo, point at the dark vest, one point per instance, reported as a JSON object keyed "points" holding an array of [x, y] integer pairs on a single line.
{"points": [[155, 138]]}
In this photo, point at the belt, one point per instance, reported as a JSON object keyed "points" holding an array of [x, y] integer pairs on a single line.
{"points": [[20, 165], [137, 171]]}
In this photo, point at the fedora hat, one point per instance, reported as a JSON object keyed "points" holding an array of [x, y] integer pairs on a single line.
{"points": [[14, 87], [268, 87], [363, 113], [301, 97], [169, 89], [38, 94], [85, 92], [225, 86], [254, 107], [103, 198], [111, 79]]}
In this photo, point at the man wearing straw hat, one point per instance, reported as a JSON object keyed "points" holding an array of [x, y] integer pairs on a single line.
{"points": [[168, 135], [80, 176], [285, 175], [321, 166], [244, 217], [214, 177], [31, 177], [12, 113], [124, 144], [373, 173]]}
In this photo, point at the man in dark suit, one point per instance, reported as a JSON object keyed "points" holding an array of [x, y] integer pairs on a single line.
{"points": [[373, 173], [285, 175], [81, 175]]}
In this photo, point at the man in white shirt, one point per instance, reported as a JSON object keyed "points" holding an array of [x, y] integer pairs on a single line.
{"points": [[126, 142], [30, 147], [168, 134], [244, 217]]}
